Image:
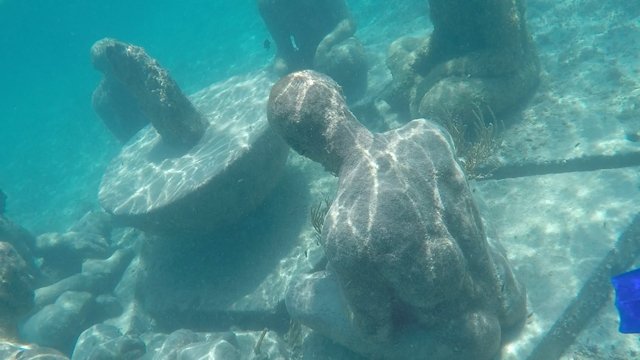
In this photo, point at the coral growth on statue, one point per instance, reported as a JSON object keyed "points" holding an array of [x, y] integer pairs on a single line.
{"points": [[214, 145], [410, 271], [479, 61], [319, 35]]}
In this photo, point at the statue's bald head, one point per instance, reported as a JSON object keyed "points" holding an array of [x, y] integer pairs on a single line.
{"points": [[308, 110]]}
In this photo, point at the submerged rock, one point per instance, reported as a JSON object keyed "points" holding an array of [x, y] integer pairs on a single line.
{"points": [[61, 254], [186, 344], [3, 202], [181, 344], [21, 240], [64, 253], [58, 325], [10, 350], [118, 109]]}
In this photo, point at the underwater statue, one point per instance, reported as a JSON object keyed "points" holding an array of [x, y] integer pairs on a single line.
{"points": [[319, 35], [627, 300], [203, 162], [410, 274], [19, 275], [16, 290], [129, 69], [479, 61]]}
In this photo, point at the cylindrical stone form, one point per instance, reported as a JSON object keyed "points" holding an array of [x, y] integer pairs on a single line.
{"points": [[159, 97], [3, 202], [119, 110], [213, 184], [411, 273]]}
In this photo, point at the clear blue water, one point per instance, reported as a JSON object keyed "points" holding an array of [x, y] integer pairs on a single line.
{"points": [[53, 146]]}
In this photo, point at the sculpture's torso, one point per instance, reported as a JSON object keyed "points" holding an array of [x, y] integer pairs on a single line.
{"points": [[393, 214]]}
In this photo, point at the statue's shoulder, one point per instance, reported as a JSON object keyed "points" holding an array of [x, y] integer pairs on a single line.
{"points": [[423, 130]]}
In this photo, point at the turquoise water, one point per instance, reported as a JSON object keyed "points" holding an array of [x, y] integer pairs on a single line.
{"points": [[555, 222], [54, 147]]}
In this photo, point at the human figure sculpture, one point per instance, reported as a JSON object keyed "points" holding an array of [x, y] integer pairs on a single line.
{"points": [[16, 289], [317, 34], [479, 61], [403, 235]]}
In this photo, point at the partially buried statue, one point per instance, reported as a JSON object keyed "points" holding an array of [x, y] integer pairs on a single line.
{"points": [[404, 240], [478, 61], [317, 34]]}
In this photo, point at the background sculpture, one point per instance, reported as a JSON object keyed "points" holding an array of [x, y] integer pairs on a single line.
{"points": [[403, 235], [478, 61], [16, 289], [128, 69], [317, 34], [200, 165]]}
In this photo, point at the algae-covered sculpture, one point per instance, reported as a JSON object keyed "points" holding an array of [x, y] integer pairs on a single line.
{"points": [[478, 61], [411, 274], [203, 163], [317, 34], [16, 289]]}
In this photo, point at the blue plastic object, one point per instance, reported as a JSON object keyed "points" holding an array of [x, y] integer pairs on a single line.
{"points": [[627, 286]]}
